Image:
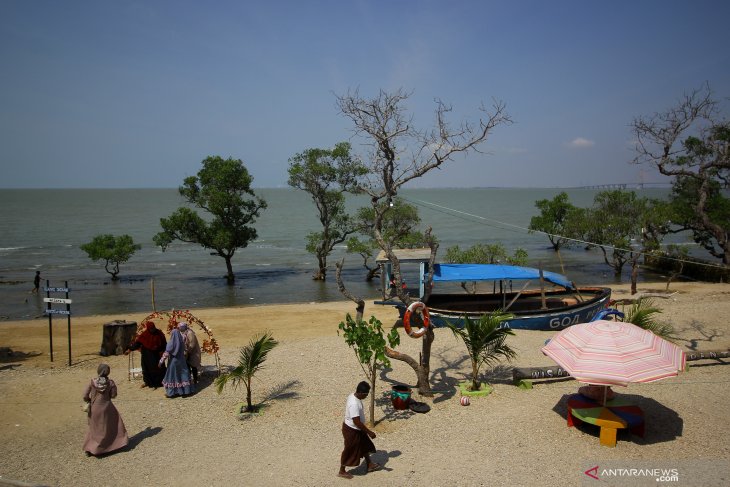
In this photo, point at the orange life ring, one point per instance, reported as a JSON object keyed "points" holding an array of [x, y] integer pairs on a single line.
{"points": [[415, 306]]}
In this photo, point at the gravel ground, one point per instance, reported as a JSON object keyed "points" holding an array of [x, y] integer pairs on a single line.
{"points": [[512, 437]]}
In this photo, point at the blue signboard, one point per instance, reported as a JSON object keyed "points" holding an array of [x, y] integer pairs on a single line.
{"points": [[57, 312], [56, 289]]}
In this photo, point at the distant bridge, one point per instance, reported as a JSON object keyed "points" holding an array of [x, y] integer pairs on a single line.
{"points": [[626, 186]]}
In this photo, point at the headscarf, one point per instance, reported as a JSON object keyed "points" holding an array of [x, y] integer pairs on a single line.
{"points": [[183, 327], [102, 382], [176, 345], [151, 338]]}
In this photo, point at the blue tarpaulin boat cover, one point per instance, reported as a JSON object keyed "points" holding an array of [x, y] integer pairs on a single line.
{"points": [[494, 272]]}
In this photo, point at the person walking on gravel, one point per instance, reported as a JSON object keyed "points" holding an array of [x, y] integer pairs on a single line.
{"points": [[357, 436]]}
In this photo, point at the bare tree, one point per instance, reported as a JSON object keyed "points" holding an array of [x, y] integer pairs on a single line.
{"points": [[398, 153], [690, 143]]}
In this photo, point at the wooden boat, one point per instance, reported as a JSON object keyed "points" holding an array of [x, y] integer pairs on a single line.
{"points": [[555, 304]]}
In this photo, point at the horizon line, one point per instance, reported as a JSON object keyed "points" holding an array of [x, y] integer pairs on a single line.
{"points": [[586, 186]]}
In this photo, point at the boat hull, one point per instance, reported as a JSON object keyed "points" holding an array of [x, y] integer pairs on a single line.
{"points": [[565, 308]]}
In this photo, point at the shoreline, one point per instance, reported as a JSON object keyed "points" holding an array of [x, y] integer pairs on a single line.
{"points": [[657, 286], [303, 386], [13, 333]]}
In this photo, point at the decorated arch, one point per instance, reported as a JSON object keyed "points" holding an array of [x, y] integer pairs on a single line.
{"points": [[170, 319]]}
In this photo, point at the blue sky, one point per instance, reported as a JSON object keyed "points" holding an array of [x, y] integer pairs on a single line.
{"points": [[120, 94]]}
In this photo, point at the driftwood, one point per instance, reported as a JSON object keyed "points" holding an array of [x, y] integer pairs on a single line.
{"points": [[639, 297], [535, 373], [531, 373], [707, 355]]}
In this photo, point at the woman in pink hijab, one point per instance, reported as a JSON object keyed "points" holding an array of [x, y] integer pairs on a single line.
{"points": [[106, 429]]}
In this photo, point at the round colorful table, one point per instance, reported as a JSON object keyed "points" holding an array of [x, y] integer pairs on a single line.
{"points": [[618, 413]]}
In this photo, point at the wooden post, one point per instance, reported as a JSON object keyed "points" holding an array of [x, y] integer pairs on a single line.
{"points": [[50, 319], [502, 290], [562, 267], [577, 291], [542, 288], [68, 308]]}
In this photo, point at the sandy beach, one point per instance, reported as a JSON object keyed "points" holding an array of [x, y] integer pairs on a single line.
{"points": [[512, 437]]}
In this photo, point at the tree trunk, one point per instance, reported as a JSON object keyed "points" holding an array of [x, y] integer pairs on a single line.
{"points": [[113, 272], [360, 310], [373, 376], [634, 275], [422, 368], [475, 376], [321, 274], [116, 337], [249, 405], [230, 277], [674, 274], [372, 273]]}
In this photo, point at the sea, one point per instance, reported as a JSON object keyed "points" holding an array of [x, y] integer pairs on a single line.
{"points": [[43, 229]]}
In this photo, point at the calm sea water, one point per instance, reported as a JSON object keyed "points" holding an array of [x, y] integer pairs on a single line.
{"points": [[43, 229]]}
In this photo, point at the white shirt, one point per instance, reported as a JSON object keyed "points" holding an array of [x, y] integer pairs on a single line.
{"points": [[354, 409]]}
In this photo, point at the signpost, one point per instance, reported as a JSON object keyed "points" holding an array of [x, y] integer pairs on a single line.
{"points": [[50, 311]]}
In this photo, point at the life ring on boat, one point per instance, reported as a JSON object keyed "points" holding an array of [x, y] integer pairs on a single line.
{"points": [[413, 308]]}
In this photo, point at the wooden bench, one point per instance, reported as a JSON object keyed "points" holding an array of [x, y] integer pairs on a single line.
{"points": [[617, 414]]}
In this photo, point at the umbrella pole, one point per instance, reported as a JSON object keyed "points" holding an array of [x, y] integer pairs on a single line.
{"points": [[605, 393]]}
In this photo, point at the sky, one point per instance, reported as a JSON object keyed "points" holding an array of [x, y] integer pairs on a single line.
{"points": [[135, 94]]}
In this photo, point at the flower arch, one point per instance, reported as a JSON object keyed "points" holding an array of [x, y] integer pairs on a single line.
{"points": [[172, 318]]}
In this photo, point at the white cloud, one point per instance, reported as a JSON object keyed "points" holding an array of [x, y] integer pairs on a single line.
{"points": [[580, 143]]}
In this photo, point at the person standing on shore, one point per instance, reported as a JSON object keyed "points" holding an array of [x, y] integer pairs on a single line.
{"points": [[36, 282], [151, 343], [192, 349], [357, 436], [177, 378], [106, 431]]}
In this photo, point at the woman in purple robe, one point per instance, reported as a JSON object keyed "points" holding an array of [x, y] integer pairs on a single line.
{"points": [[177, 378]]}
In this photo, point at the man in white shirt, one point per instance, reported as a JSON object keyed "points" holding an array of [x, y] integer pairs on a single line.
{"points": [[357, 436]]}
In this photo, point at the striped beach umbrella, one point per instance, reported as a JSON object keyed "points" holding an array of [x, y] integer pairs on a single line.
{"points": [[614, 353]]}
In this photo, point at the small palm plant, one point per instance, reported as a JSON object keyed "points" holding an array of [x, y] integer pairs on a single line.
{"points": [[250, 361], [485, 341], [642, 314]]}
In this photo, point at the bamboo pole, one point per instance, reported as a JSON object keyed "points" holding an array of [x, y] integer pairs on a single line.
{"points": [[560, 258], [542, 288], [152, 285], [516, 296]]}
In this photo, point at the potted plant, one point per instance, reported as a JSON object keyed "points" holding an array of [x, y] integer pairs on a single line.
{"points": [[485, 343]]}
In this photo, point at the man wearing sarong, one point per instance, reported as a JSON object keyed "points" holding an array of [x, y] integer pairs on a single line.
{"points": [[356, 435]]}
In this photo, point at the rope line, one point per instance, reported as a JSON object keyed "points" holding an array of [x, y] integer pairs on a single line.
{"points": [[516, 228]]}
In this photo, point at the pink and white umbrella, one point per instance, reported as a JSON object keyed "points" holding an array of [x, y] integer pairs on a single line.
{"points": [[614, 353]]}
